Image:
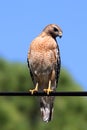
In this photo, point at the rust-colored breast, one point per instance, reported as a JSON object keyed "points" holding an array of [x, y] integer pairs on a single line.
{"points": [[42, 54]]}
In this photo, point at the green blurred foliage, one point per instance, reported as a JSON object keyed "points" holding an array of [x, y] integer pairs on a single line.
{"points": [[22, 113]]}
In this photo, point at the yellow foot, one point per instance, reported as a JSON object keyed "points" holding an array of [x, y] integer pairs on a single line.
{"points": [[34, 90], [48, 90]]}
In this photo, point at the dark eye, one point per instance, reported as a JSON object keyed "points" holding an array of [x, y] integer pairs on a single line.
{"points": [[55, 29]]}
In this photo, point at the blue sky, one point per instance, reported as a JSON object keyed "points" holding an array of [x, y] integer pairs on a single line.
{"points": [[22, 20]]}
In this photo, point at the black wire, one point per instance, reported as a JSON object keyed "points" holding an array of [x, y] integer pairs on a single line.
{"points": [[79, 93]]}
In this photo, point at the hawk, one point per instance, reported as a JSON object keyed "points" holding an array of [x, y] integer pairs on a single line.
{"points": [[44, 64]]}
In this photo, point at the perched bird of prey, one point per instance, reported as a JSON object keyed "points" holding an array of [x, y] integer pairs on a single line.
{"points": [[44, 65]]}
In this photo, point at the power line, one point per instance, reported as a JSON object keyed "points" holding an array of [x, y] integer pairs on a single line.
{"points": [[72, 93]]}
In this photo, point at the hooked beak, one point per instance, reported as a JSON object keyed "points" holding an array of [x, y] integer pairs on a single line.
{"points": [[60, 34]]}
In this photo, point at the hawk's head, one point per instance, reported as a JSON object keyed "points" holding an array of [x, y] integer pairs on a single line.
{"points": [[53, 30]]}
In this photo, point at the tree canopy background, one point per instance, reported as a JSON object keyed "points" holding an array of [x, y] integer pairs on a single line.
{"points": [[22, 113]]}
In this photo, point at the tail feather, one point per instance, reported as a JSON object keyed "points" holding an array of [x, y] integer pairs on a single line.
{"points": [[46, 108]]}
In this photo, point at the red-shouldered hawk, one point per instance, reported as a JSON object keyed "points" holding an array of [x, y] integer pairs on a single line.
{"points": [[44, 64]]}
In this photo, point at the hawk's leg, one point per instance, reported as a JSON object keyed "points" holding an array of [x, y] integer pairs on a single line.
{"points": [[35, 89], [48, 90]]}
